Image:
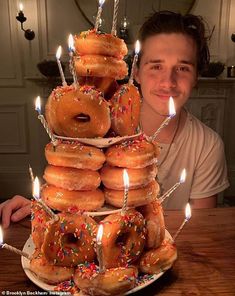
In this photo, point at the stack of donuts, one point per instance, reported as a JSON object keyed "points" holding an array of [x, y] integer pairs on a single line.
{"points": [[72, 177], [133, 245], [100, 55], [81, 179], [138, 157]]}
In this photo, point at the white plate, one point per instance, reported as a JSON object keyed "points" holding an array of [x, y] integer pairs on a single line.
{"points": [[29, 248], [99, 142]]}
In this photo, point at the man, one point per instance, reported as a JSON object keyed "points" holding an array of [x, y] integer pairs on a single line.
{"points": [[174, 51]]}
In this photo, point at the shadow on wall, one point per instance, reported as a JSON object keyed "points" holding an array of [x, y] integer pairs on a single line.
{"points": [[18, 185]]}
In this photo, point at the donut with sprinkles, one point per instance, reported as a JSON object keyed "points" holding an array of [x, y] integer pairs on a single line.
{"points": [[137, 153], [70, 240], [78, 113], [123, 238], [39, 218], [113, 281], [159, 259], [48, 272], [125, 110], [155, 223]]}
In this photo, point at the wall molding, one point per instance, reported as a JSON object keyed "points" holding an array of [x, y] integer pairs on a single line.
{"points": [[14, 139], [12, 57]]}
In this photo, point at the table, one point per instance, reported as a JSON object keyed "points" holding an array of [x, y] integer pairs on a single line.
{"points": [[205, 265]]}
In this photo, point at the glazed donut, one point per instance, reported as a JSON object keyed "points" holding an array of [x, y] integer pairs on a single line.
{"points": [[133, 154], [71, 179], [155, 224], [69, 241], [74, 155], [123, 238], [93, 42], [63, 200], [136, 197], [39, 218], [160, 259], [112, 177], [100, 66], [106, 85], [48, 272], [125, 110], [114, 281], [79, 112]]}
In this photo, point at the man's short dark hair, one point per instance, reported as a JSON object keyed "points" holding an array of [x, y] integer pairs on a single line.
{"points": [[171, 22]]}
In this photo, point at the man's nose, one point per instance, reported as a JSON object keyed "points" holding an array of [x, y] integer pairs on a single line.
{"points": [[168, 79]]}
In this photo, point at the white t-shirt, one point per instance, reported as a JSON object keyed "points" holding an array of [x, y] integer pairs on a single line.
{"points": [[200, 151]]}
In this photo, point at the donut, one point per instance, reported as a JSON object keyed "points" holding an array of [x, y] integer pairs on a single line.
{"points": [[74, 155], [160, 259], [114, 281], [63, 200], [71, 179], [69, 241], [81, 112], [133, 154], [112, 177], [48, 272], [136, 197], [100, 66], [123, 238], [93, 42], [106, 85], [155, 224], [125, 110], [39, 218]]}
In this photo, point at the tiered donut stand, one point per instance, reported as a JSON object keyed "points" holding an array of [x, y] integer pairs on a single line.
{"points": [[97, 222]]}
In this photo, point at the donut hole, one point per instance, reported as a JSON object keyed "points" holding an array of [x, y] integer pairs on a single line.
{"points": [[69, 238], [122, 238], [81, 117]]}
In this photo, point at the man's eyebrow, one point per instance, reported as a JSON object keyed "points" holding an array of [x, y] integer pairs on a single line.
{"points": [[187, 62], [155, 61]]}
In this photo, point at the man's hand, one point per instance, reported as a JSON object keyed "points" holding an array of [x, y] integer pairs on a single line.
{"points": [[14, 210]]}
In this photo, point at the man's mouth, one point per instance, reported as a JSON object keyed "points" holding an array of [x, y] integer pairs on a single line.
{"points": [[165, 96]]}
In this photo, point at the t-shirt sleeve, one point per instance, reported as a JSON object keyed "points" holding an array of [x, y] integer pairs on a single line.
{"points": [[210, 176]]}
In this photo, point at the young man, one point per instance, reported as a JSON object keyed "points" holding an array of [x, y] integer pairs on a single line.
{"points": [[174, 51]]}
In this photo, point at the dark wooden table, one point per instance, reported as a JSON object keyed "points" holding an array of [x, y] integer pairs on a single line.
{"points": [[205, 265]]}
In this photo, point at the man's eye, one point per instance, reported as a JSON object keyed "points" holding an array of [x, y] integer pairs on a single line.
{"points": [[156, 67], [183, 69]]}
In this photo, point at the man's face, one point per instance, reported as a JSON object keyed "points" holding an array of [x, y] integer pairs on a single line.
{"points": [[167, 68]]}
